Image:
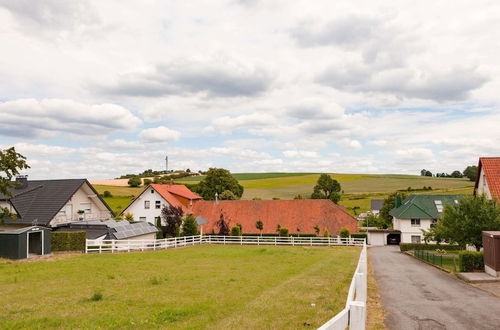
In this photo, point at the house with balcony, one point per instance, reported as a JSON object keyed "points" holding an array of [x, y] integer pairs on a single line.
{"points": [[417, 213], [52, 203]]}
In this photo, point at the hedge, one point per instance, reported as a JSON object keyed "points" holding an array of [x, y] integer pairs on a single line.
{"points": [[469, 261], [359, 236], [68, 240], [419, 246]]}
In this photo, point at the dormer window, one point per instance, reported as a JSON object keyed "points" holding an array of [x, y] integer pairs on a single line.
{"points": [[439, 205]]}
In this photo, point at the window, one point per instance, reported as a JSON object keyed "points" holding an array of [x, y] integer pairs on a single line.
{"points": [[86, 207], [415, 239], [439, 206], [415, 222], [142, 219], [433, 222], [152, 191], [146, 204], [157, 204]]}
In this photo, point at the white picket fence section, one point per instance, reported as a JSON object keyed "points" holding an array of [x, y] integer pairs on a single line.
{"points": [[100, 246], [353, 316]]}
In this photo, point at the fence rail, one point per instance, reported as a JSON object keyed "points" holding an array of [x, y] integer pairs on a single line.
{"points": [[100, 246]]}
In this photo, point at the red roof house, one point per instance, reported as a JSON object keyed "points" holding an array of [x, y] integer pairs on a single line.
{"points": [[299, 216], [488, 178]]}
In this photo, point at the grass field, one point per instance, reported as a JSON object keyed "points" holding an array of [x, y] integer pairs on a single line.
{"points": [[200, 287], [358, 189]]}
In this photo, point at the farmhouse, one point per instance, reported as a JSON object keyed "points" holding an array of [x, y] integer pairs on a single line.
{"points": [[418, 212], [147, 206], [298, 216], [52, 202], [488, 178]]}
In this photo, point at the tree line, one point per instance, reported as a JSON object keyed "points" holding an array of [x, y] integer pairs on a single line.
{"points": [[470, 172]]}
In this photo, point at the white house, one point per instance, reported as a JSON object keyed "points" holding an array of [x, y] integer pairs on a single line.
{"points": [[52, 203], [417, 213], [488, 178], [147, 206]]}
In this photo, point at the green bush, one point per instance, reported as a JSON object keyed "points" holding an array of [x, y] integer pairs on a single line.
{"points": [[107, 193], [68, 240], [283, 232], [344, 232], [236, 231], [469, 261], [134, 181], [419, 246], [359, 236], [147, 182]]}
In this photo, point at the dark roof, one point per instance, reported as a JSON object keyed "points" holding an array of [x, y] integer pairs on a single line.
{"points": [[376, 204], [111, 228], [422, 206], [41, 200]]}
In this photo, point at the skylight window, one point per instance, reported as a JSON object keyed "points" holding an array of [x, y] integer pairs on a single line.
{"points": [[439, 206]]}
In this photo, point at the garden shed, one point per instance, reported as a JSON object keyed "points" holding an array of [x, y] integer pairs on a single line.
{"points": [[25, 242]]}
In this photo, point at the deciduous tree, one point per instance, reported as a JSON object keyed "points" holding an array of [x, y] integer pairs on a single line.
{"points": [[172, 217], [218, 180], [471, 172], [11, 163], [327, 188]]}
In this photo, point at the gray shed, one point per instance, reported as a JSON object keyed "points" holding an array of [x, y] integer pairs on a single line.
{"points": [[25, 242]]}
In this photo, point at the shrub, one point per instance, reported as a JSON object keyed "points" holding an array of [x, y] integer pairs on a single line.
{"points": [[344, 232], [256, 199], [68, 240], [129, 217], [189, 226], [146, 182], [469, 261], [326, 233], [236, 231], [359, 236], [419, 246], [283, 232], [107, 193], [97, 296], [134, 181]]}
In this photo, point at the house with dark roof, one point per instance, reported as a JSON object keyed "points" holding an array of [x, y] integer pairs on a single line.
{"points": [[112, 229], [488, 178], [147, 206], [301, 216], [376, 206], [51, 203], [417, 213]]}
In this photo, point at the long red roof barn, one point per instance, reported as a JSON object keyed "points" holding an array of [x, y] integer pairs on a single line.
{"points": [[299, 216]]}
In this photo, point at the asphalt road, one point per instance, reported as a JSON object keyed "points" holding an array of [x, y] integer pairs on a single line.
{"points": [[419, 296]]}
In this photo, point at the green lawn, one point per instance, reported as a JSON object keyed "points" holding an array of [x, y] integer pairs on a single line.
{"points": [[200, 287], [117, 203]]}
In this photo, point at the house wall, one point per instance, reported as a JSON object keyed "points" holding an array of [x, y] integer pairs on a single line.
{"points": [[138, 210], [97, 210], [407, 230], [482, 187]]}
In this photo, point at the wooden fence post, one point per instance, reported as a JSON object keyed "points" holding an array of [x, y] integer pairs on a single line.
{"points": [[357, 315]]}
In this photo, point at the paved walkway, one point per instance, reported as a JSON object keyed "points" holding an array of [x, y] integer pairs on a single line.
{"points": [[419, 296]]}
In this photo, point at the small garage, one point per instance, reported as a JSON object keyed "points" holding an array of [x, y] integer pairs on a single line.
{"points": [[380, 237], [25, 242]]}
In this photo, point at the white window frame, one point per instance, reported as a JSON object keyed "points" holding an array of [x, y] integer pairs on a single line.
{"points": [[414, 239], [85, 209], [415, 222], [147, 205]]}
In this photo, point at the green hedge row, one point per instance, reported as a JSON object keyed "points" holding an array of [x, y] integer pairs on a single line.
{"points": [[359, 236], [68, 240], [418, 246], [469, 261]]}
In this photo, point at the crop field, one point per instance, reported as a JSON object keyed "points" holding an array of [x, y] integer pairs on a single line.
{"points": [[358, 189], [199, 287]]}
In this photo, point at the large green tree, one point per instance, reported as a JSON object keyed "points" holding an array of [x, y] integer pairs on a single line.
{"points": [[471, 172], [11, 162], [327, 188], [218, 180], [464, 222], [385, 219]]}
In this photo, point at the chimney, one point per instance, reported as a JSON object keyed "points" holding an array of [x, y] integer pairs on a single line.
{"points": [[21, 181]]}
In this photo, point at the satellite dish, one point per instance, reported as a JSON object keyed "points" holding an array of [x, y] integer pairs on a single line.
{"points": [[201, 220]]}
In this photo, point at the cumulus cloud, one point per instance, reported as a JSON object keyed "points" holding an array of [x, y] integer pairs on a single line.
{"points": [[228, 124], [350, 144], [33, 118], [159, 134], [215, 77], [300, 154]]}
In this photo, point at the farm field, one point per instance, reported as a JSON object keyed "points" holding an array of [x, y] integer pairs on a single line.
{"points": [[358, 189], [199, 287]]}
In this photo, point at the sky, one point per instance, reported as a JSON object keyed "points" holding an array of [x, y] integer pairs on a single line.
{"points": [[98, 89]]}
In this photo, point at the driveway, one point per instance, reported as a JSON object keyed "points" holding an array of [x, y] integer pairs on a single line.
{"points": [[419, 296]]}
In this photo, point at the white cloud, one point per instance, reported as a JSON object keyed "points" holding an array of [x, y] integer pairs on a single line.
{"points": [[350, 144], [300, 154], [159, 134]]}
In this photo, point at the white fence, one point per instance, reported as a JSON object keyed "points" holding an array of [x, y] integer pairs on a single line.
{"points": [[353, 316], [354, 313], [112, 246]]}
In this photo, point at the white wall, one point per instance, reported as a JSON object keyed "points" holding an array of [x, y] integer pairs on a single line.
{"points": [[482, 187], [407, 230], [7, 205], [377, 239], [138, 210], [98, 210]]}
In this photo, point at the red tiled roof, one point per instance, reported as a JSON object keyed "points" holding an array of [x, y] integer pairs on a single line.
{"points": [[169, 192], [491, 168], [302, 215]]}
